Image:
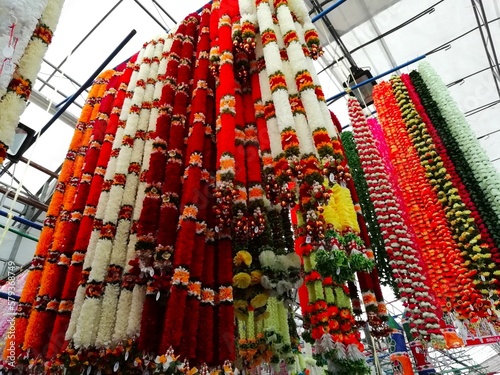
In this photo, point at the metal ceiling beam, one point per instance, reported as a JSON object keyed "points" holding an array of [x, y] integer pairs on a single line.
{"points": [[82, 41], [322, 14], [164, 11], [489, 45], [43, 102]]}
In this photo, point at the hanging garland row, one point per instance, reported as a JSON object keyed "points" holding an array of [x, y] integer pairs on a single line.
{"points": [[205, 178]]}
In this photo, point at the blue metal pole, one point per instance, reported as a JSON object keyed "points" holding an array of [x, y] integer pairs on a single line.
{"points": [[9, 297], [22, 221], [328, 10], [199, 10], [357, 86]]}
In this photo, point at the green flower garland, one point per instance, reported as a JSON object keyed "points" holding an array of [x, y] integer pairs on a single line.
{"points": [[368, 209], [462, 225], [461, 164]]}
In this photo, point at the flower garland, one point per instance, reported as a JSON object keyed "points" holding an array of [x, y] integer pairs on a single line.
{"points": [[47, 235], [13, 103], [206, 335], [480, 209], [478, 161], [94, 257], [171, 189], [368, 209], [311, 36], [119, 252], [465, 232], [450, 167], [411, 280], [60, 252], [412, 175], [132, 293], [189, 250], [16, 30], [225, 176], [88, 213], [149, 218]]}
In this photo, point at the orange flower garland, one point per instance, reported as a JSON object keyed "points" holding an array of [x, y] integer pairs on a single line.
{"points": [[468, 240], [83, 235], [53, 213], [425, 212], [60, 252]]}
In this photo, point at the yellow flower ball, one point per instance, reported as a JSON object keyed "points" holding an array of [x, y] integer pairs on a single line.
{"points": [[255, 276], [259, 300], [242, 280], [241, 257]]}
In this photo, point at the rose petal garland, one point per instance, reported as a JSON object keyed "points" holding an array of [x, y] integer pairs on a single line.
{"points": [[465, 232], [399, 245], [60, 251], [13, 103]]}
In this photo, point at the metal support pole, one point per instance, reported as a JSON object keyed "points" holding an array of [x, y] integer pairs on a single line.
{"points": [[22, 220], [81, 42], [164, 11], [357, 86], [78, 92], [488, 43], [150, 15], [328, 10]]}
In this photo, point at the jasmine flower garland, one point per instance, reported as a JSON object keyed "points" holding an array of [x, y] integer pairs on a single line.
{"points": [[131, 300], [97, 261], [16, 30], [13, 103]]}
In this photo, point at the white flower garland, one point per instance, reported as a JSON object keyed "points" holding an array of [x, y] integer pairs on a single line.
{"points": [[25, 15], [290, 70], [11, 104], [87, 327], [327, 118], [274, 66], [267, 100], [484, 171], [300, 66], [126, 296], [119, 251], [104, 197]]}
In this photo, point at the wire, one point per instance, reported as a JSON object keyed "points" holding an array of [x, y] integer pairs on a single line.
{"points": [[383, 35]]}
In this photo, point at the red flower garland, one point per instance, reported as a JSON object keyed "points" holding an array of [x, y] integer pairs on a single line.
{"points": [[148, 222], [189, 245], [171, 189]]}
